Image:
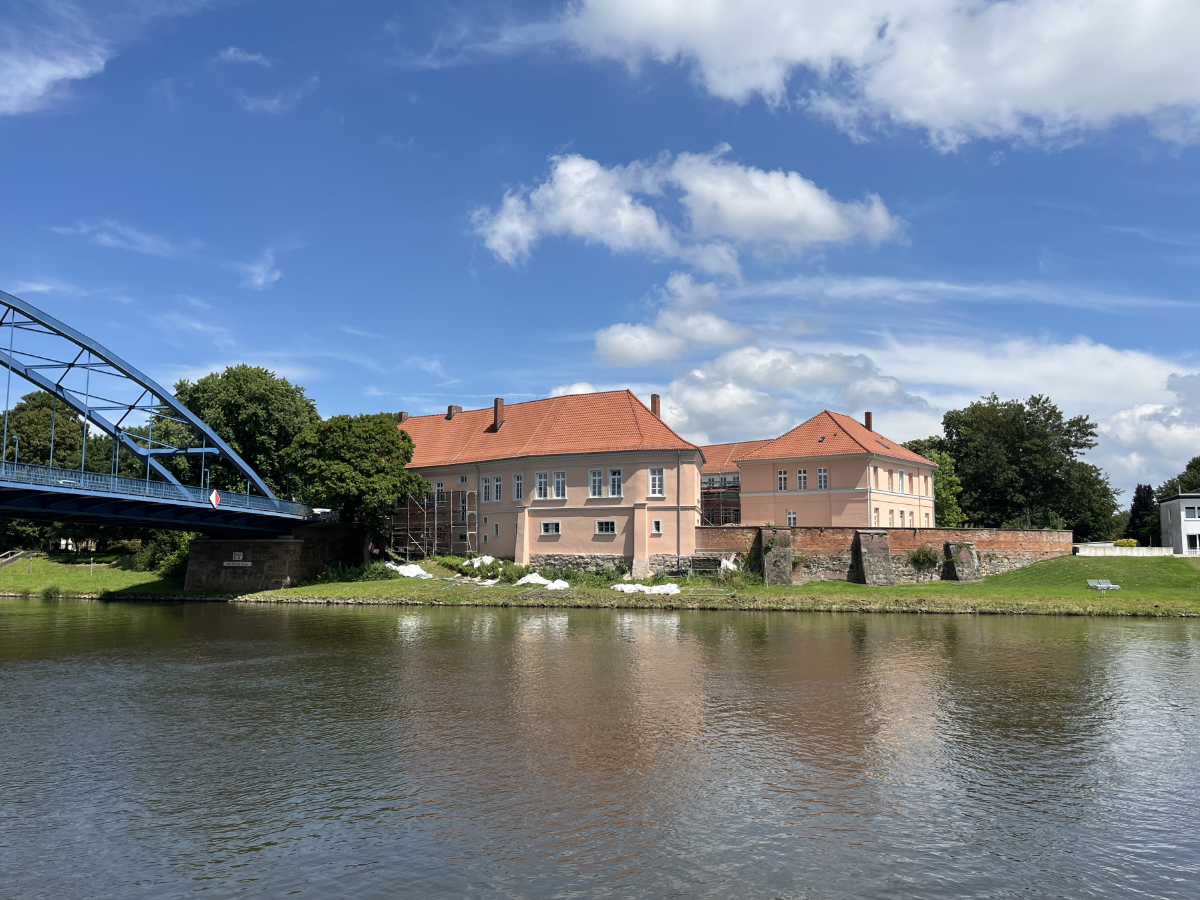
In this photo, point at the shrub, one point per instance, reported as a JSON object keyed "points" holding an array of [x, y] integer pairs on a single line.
{"points": [[51, 592], [338, 573], [924, 558], [1126, 542]]}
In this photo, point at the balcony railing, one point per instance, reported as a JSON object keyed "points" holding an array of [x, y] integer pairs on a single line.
{"points": [[70, 479]]}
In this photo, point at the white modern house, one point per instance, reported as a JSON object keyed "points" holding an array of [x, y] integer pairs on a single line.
{"points": [[1181, 523]]}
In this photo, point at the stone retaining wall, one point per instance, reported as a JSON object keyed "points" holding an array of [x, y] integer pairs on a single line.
{"points": [[584, 562]]}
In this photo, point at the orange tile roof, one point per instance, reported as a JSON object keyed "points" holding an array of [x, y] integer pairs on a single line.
{"points": [[832, 434], [723, 457], [578, 423]]}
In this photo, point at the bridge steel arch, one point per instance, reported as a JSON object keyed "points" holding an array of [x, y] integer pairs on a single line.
{"points": [[160, 503]]}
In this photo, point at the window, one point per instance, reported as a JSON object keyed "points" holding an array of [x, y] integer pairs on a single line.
{"points": [[875, 521], [782, 480], [889, 479], [485, 538], [596, 483], [614, 483], [497, 529], [656, 526], [496, 488], [462, 479], [912, 519], [518, 487], [1189, 512], [791, 518], [658, 483], [891, 517], [876, 481], [902, 518], [560, 485], [550, 528], [485, 490], [822, 479], [606, 526], [802, 479], [439, 492], [900, 481], [485, 520], [927, 494], [926, 520], [541, 489]]}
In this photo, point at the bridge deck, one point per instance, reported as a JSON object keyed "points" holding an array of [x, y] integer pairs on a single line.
{"points": [[42, 492]]}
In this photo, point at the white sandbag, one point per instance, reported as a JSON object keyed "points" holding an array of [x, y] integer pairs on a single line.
{"points": [[533, 578], [481, 561], [558, 585], [728, 565], [646, 588], [409, 571]]}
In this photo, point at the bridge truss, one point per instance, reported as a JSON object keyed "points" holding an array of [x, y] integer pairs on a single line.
{"points": [[99, 392]]}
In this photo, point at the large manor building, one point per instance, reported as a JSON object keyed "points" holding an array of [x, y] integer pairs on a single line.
{"points": [[596, 479]]}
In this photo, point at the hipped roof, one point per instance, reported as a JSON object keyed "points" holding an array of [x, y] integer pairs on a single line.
{"points": [[721, 458], [603, 422], [843, 436]]}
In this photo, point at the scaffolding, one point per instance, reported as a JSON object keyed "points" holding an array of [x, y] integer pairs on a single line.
{"points": [[442, 523], [721, 506]]}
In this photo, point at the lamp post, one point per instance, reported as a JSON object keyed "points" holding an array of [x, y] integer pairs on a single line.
{"points": [[17, 452]]}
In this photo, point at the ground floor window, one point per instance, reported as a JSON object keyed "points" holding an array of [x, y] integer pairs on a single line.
{"points": [[551, 528], [606, 526], [791, 518], [1193, 540], [822, 479], [891, 517], [875, 521], [926, 520], [656, 526]]}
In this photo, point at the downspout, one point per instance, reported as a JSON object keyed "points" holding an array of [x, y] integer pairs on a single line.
{"points": [[678, 508]]}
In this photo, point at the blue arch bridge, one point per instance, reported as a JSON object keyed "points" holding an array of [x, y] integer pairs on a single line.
{"points": [[116, 399]]}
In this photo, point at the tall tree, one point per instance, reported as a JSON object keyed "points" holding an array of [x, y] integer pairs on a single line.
{"points": [[946, 484], [1185, 482], [33, 419], [355, 464], [1144, 517], [1019, 465], [253, 410]]}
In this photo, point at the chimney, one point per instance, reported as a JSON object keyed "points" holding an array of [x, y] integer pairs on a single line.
{"points": [[403, 417], [868, 420], [498, 411], [654, 406], [452, 411]]}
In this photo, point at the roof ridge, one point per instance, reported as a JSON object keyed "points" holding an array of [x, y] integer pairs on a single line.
{"points": [[836, 416], [637, 418], [551, 408]]}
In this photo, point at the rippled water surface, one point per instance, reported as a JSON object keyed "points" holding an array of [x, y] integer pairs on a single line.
{"points": [[163, 751]]}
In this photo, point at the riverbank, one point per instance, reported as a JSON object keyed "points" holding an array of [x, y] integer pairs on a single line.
{"points": [[1151, 586], [1161, 586]]}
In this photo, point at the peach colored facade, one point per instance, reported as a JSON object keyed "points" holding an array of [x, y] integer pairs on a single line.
{"points": [[865, 491], [522, 525]]}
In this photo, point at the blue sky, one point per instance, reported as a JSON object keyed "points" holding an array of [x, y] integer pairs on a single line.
{"points": [[757, 209]]}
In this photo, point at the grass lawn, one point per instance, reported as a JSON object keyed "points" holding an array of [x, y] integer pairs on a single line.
{"points": [[74, 577], [1152, 586]]}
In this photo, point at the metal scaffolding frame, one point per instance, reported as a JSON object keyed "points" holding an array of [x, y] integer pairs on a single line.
{"points": [[439, 523]]}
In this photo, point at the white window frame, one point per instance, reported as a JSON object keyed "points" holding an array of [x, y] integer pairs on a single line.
{"points": [[891, 518], [658, 479], [485, 520], [616, 483], [781, 480], [439, 493], [656, 526], [485, 537], [802, 479], [560, 483], [462, 479], [900, 481], [891, 474], [612, 522], [876, 523], [547, 531], [518, 486], [496, 488], [926, 520], [485, 490], [902, 517], [822, 479], [791, 518], [595, 483], [541, 485], [497, 529]]}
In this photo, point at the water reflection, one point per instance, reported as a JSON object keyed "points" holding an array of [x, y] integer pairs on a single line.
{"points": [[542, 753]]}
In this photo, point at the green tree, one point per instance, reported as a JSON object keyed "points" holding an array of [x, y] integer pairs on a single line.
{"points": [[31, 420], [257, 413], [1185, 482], [1019, 467], [355, 464], [946, 485], [1143, 517]]}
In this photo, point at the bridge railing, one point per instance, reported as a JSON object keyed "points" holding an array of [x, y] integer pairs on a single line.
{"points": [[70, 479]]}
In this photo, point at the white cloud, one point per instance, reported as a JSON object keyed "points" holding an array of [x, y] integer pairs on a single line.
{"points": [[630, 345], [275, 106], [260, 273], [708, 408], [579, 387], [39, 59], [776, 367], [1039, 71], [238, 55], [111, 233], [722, 205]]}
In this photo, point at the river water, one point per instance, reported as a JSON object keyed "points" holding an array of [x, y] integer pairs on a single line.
{"points": [[228, 751]]}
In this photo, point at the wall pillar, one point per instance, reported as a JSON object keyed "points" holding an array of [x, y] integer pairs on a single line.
{"points": [[777, 555], [962, 562], [871, 558], [641, 538], [521, 548]]}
